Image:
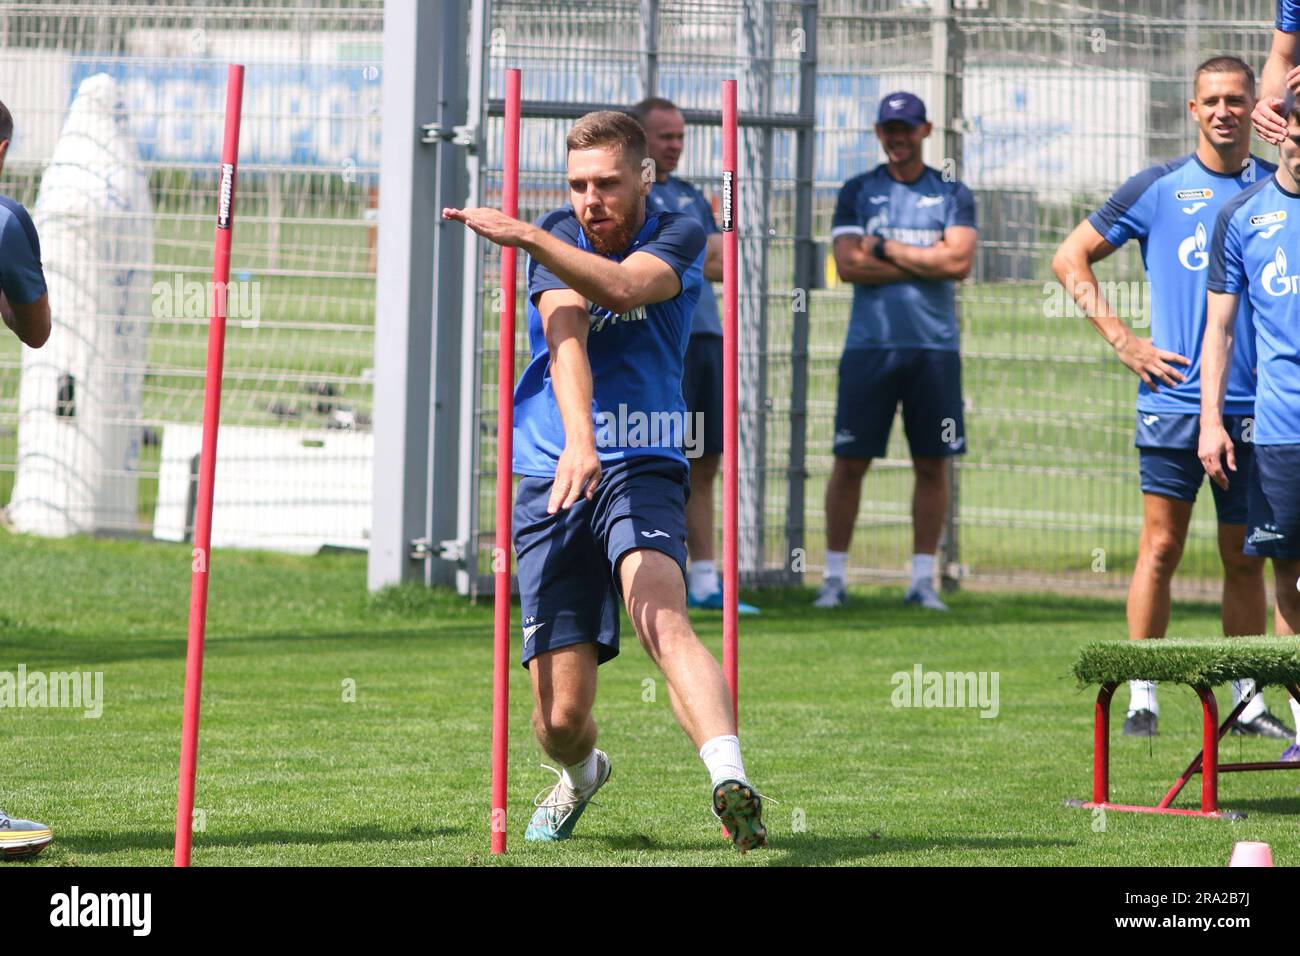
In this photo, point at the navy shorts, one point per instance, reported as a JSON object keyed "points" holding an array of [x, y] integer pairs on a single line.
{"points": [[874, 381], [568, 562], [1170, 467], [702, 389], [1273, 525]]}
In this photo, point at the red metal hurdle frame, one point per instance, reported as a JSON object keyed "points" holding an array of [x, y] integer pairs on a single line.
{"points": [[1206, 763]]}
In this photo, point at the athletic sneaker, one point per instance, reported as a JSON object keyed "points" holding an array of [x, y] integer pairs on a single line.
{"points": [[714, 603], [832, 594], [560, 809], [925, 597], [21, 839], [1291, 754], [1265, 725], [740, 809], [1140, 723]]}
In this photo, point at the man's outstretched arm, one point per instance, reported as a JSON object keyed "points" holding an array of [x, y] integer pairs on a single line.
{"points": [[640, 279]]}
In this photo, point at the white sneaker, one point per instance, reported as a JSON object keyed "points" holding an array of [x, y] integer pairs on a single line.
{"points": [[925, 597], [559, 810], [832, 594]]}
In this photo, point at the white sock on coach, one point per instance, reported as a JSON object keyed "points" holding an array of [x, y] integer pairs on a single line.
{"points": [[721, 756], [923, 571], [1142, 696], [582, 775], [837, 564], [1240, 688], [703, 579], [1295, 716]]}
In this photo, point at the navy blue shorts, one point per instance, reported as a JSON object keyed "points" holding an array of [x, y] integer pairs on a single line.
{"points": [[874, 381], [1167, 460], [569, 591], [1273, 525], [702, 389]]}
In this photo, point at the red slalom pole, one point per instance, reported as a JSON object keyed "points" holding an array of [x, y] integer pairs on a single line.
{"points": [[505, 476], [202, 554], [730, 403]]}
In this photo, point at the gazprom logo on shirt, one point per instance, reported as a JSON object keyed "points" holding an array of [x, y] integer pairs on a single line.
{"points": [[599, 317], [1275, 279], [1191, 251]]}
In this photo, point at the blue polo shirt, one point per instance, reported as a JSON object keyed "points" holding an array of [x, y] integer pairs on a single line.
{"points": [[21, 278], [917, 313]]}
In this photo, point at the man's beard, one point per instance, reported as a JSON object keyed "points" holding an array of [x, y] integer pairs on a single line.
{"points": [[616, 241]]}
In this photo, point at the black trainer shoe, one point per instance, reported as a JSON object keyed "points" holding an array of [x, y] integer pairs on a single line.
{"points": [[1265, 725], [739, 808], [1141, 723]]}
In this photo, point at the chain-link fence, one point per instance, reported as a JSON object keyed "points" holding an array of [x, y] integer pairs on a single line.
{"points": [[118, 116], [1042, 109]]}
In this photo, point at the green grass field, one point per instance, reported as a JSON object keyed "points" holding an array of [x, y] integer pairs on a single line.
{"points": [[290, 773]]}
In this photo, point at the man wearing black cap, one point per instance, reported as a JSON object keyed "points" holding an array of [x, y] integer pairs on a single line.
{"points": [[904, 235]]}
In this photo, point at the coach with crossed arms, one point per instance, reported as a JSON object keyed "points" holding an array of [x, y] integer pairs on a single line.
{"points": [[26, 311], [904, 235]]}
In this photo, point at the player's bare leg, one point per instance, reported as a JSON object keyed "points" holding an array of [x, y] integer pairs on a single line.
{"points": [[929, 510], [656, 602], [564, 690], [1164, 533], [1286, 619], [1245, 612], [1245, 604], [655, 595], [699, 508], [843, 496]]}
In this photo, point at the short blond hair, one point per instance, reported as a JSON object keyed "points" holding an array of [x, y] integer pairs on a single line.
{"points": [[605, 128]]}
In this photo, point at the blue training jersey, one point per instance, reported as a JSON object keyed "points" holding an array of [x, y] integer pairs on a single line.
{"points": [[1170, 210], [21, 278], [1256, 233], [918, 313], [636, 358], [677, 195], [1288, 15]]}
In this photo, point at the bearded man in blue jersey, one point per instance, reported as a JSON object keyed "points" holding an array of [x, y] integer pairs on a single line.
{"points": [[25, 308], [1169, 208], [599, 428], [1254, 290]]}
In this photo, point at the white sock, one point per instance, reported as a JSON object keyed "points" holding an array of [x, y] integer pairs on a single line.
{"points": [[582, 775], [837, 563], [704, 579], [721, 755], [1240, 688], [923, 571], [1295, 716], [1142, 696]]}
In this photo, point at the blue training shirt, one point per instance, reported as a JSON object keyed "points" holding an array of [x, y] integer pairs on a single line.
{"points": [[1256, 254], [1170, 210], [677, 195], [1288, 15], [918, 313], [636, 359], [21, 278]]}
